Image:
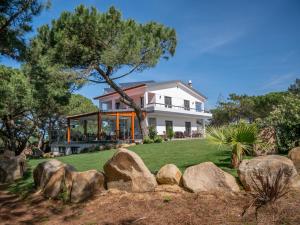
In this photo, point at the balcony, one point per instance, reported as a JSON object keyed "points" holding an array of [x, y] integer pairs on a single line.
{"points": [[160, 107], [152, 102]]}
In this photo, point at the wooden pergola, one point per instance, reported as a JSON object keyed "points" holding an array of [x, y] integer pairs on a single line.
{"points": [[99, 114]]}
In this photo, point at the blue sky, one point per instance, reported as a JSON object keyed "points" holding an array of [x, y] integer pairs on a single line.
{"points": [[224, 46]]}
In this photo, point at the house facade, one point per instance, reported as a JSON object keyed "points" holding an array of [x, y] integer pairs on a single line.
{"points": [[167, 105]]}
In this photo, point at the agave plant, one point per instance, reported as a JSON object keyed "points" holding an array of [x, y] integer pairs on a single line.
{"points": [[241, 138]]}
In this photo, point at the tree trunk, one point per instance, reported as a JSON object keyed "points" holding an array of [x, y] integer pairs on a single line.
{"points": [[126, 100], [10, 137], [142, 123], [235, 162], [41, 140]]}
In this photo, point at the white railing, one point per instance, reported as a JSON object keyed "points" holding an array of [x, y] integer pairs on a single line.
{"points": [[174, 108]]}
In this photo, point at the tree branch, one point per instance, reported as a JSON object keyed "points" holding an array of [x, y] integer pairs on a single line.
{"points": [[14, 16]]}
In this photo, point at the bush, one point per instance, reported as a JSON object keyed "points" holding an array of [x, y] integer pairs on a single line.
{"points": [[268, 187], [147, 140], [170, 133], [285, 119], [158, 139], [90, 149], [152, 132]]}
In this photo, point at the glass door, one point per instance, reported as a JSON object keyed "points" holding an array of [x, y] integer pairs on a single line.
{"points": [[125, 124], [188, 129]]}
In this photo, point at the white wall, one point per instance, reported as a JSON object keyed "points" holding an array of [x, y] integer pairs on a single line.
{"points": [[178, 123], [134, 93], [178, 96]]}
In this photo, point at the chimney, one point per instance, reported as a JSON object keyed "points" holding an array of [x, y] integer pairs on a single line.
{"points": [[190, 83]]}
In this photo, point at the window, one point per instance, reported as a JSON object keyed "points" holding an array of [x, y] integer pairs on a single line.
{"points": [[168, 102], [142, 102], [198, 106], [152, 122], [169, 125], [117, 105], [187, 105]]}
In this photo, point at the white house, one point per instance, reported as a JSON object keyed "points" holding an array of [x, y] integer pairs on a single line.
{"points": [[167, 105]]}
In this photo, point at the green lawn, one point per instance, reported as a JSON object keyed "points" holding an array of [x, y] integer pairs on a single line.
{"points": [[183, 153]]}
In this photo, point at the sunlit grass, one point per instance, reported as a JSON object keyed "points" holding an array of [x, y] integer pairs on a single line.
{"points": [[182, 153]]}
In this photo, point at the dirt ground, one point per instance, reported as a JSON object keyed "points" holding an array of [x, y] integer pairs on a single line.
{"points": [[161, 207]]}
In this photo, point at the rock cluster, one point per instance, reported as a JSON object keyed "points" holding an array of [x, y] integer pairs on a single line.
{"points": [[56, 179], [126, 171]]}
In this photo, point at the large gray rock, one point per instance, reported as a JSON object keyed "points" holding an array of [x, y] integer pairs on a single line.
{"points": [[50, 177], [208, 177], [294, 155], [85, 184], [169, 174], [127, 171], [12, 168], [267, 167], [56, 184], [43, 172], [58, 180]]}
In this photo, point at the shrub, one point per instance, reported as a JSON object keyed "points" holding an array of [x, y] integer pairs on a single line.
{"points": [[147, 140], [167, 199], [158, 139], [240, 137], [285, 119], [170, 133], [152, 132], [90, 149], [268, 188]]}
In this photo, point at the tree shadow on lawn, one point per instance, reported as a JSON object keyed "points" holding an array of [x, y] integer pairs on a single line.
{"points": [[24, 186]]}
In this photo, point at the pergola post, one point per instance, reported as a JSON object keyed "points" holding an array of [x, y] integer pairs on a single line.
{"points": [[132, 126], [69, 131], [117, 125], [99, 122]]}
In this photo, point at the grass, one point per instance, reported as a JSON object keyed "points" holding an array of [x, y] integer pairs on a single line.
{"points": [[183, 153]]}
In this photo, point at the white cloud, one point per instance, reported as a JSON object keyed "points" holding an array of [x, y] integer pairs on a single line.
{"points": [[211, 37], [280, 81]]}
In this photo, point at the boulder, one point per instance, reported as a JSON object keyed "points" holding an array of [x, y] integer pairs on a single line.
{"points": [[127, 171], [169, 174], [12, 169], [267, 167], [58, 180], [43, 172], [294, 155], [56, 184], [208, 177], [85, 184]]}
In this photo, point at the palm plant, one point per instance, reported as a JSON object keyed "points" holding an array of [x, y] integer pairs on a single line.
{"points": [[241, 137]]}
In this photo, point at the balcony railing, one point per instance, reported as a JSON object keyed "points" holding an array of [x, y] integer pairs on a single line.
{"points": [[176, 107], [162, 106]]}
